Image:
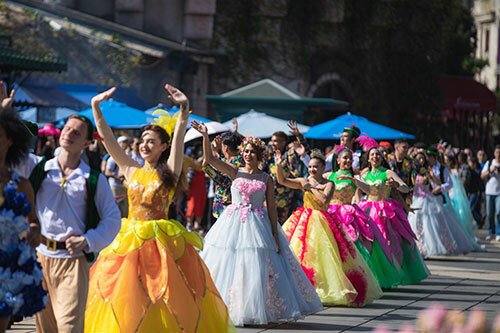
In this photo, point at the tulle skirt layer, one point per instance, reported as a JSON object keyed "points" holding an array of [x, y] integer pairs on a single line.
{"points": [[438, 232], [258, 284], [329, 258], [393, 223], [151, 279], [460, 205]]}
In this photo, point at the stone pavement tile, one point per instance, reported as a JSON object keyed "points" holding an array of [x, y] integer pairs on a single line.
{"points": [[27, 325], [491, 289], [304, 327], [250, 329], [393, 320]]}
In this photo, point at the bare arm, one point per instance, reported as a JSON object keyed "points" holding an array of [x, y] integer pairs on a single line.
{"points": [[271, 210], [175, 159], [326, 195], [295, 183], [363, 186], [227, 168], [125, 162], [402, 187]]}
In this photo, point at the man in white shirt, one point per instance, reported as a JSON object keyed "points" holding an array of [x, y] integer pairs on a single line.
{"points": [[491, 174], [347, 139], [440, 179], [62, 207]]}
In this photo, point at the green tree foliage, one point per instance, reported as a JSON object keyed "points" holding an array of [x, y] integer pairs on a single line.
{"points": [[389, 54]]}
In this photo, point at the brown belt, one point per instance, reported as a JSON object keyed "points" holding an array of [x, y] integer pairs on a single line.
{"points": [[53, 245]]}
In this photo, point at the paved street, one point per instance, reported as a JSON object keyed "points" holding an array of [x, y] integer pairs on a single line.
{"points": [[461, 282]]}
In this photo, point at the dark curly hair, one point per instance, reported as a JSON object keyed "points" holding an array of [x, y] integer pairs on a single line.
{"points": [[18, 134], [166, 176]]}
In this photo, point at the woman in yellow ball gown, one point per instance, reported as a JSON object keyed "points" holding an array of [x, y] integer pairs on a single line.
{"points": [[327, 255], [151, 279]]}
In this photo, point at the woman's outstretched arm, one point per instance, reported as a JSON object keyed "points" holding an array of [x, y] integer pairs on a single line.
{"points": [[227, 168], [176, 157], [295, 183], [125, 162]]}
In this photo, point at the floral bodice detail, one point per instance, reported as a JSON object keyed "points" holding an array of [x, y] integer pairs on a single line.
{"points": [[310, 201], [377, 179], [344, 189], [248, 193], [246, 188], [148, 199]]}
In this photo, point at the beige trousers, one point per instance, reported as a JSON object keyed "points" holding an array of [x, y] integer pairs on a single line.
{"points": [[67, 282]]}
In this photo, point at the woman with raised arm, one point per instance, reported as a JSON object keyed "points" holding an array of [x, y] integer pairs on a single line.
{"points": [[327, 255], [361, 229], [255, 271], [390, 216], [151, 279]]}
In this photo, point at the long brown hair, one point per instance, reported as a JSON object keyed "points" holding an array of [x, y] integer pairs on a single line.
{"points": [[166, 176]]}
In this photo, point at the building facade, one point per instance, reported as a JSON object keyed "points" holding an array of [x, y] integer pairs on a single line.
{"points": [[486, 15]]}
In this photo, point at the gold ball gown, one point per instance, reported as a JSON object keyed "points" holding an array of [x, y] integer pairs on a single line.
{"points": [[151, 278]]}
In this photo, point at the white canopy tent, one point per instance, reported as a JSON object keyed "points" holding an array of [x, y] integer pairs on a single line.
{"points": [[261, 125]]}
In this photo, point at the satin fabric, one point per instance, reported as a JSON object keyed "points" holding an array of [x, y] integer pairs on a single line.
{"points": [[329, 257], [151, 278]]}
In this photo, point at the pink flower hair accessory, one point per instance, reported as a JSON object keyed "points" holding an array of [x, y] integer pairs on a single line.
{"points": [[256, 142]]}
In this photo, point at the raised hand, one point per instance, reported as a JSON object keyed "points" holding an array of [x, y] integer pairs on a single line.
{"points": [[6, 101], [235, 125], [278, 160], [177, 97], [217, 143], [103, 96], [200, 127], [293, 127], [299, 148]]}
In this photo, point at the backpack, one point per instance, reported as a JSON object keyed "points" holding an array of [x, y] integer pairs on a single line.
{"points": [[476, 183], [92, 216]]}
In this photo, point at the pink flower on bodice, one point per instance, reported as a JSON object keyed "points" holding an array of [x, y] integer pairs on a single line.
{"points": [[247, 187]]}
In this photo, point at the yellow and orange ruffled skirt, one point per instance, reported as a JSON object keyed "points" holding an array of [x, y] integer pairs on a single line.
{"points": [[151, 279]]}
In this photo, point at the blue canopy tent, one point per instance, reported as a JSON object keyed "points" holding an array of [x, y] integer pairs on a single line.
{"points": [[85, 92], [332, 129], [173, 110], [120, 115]]}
